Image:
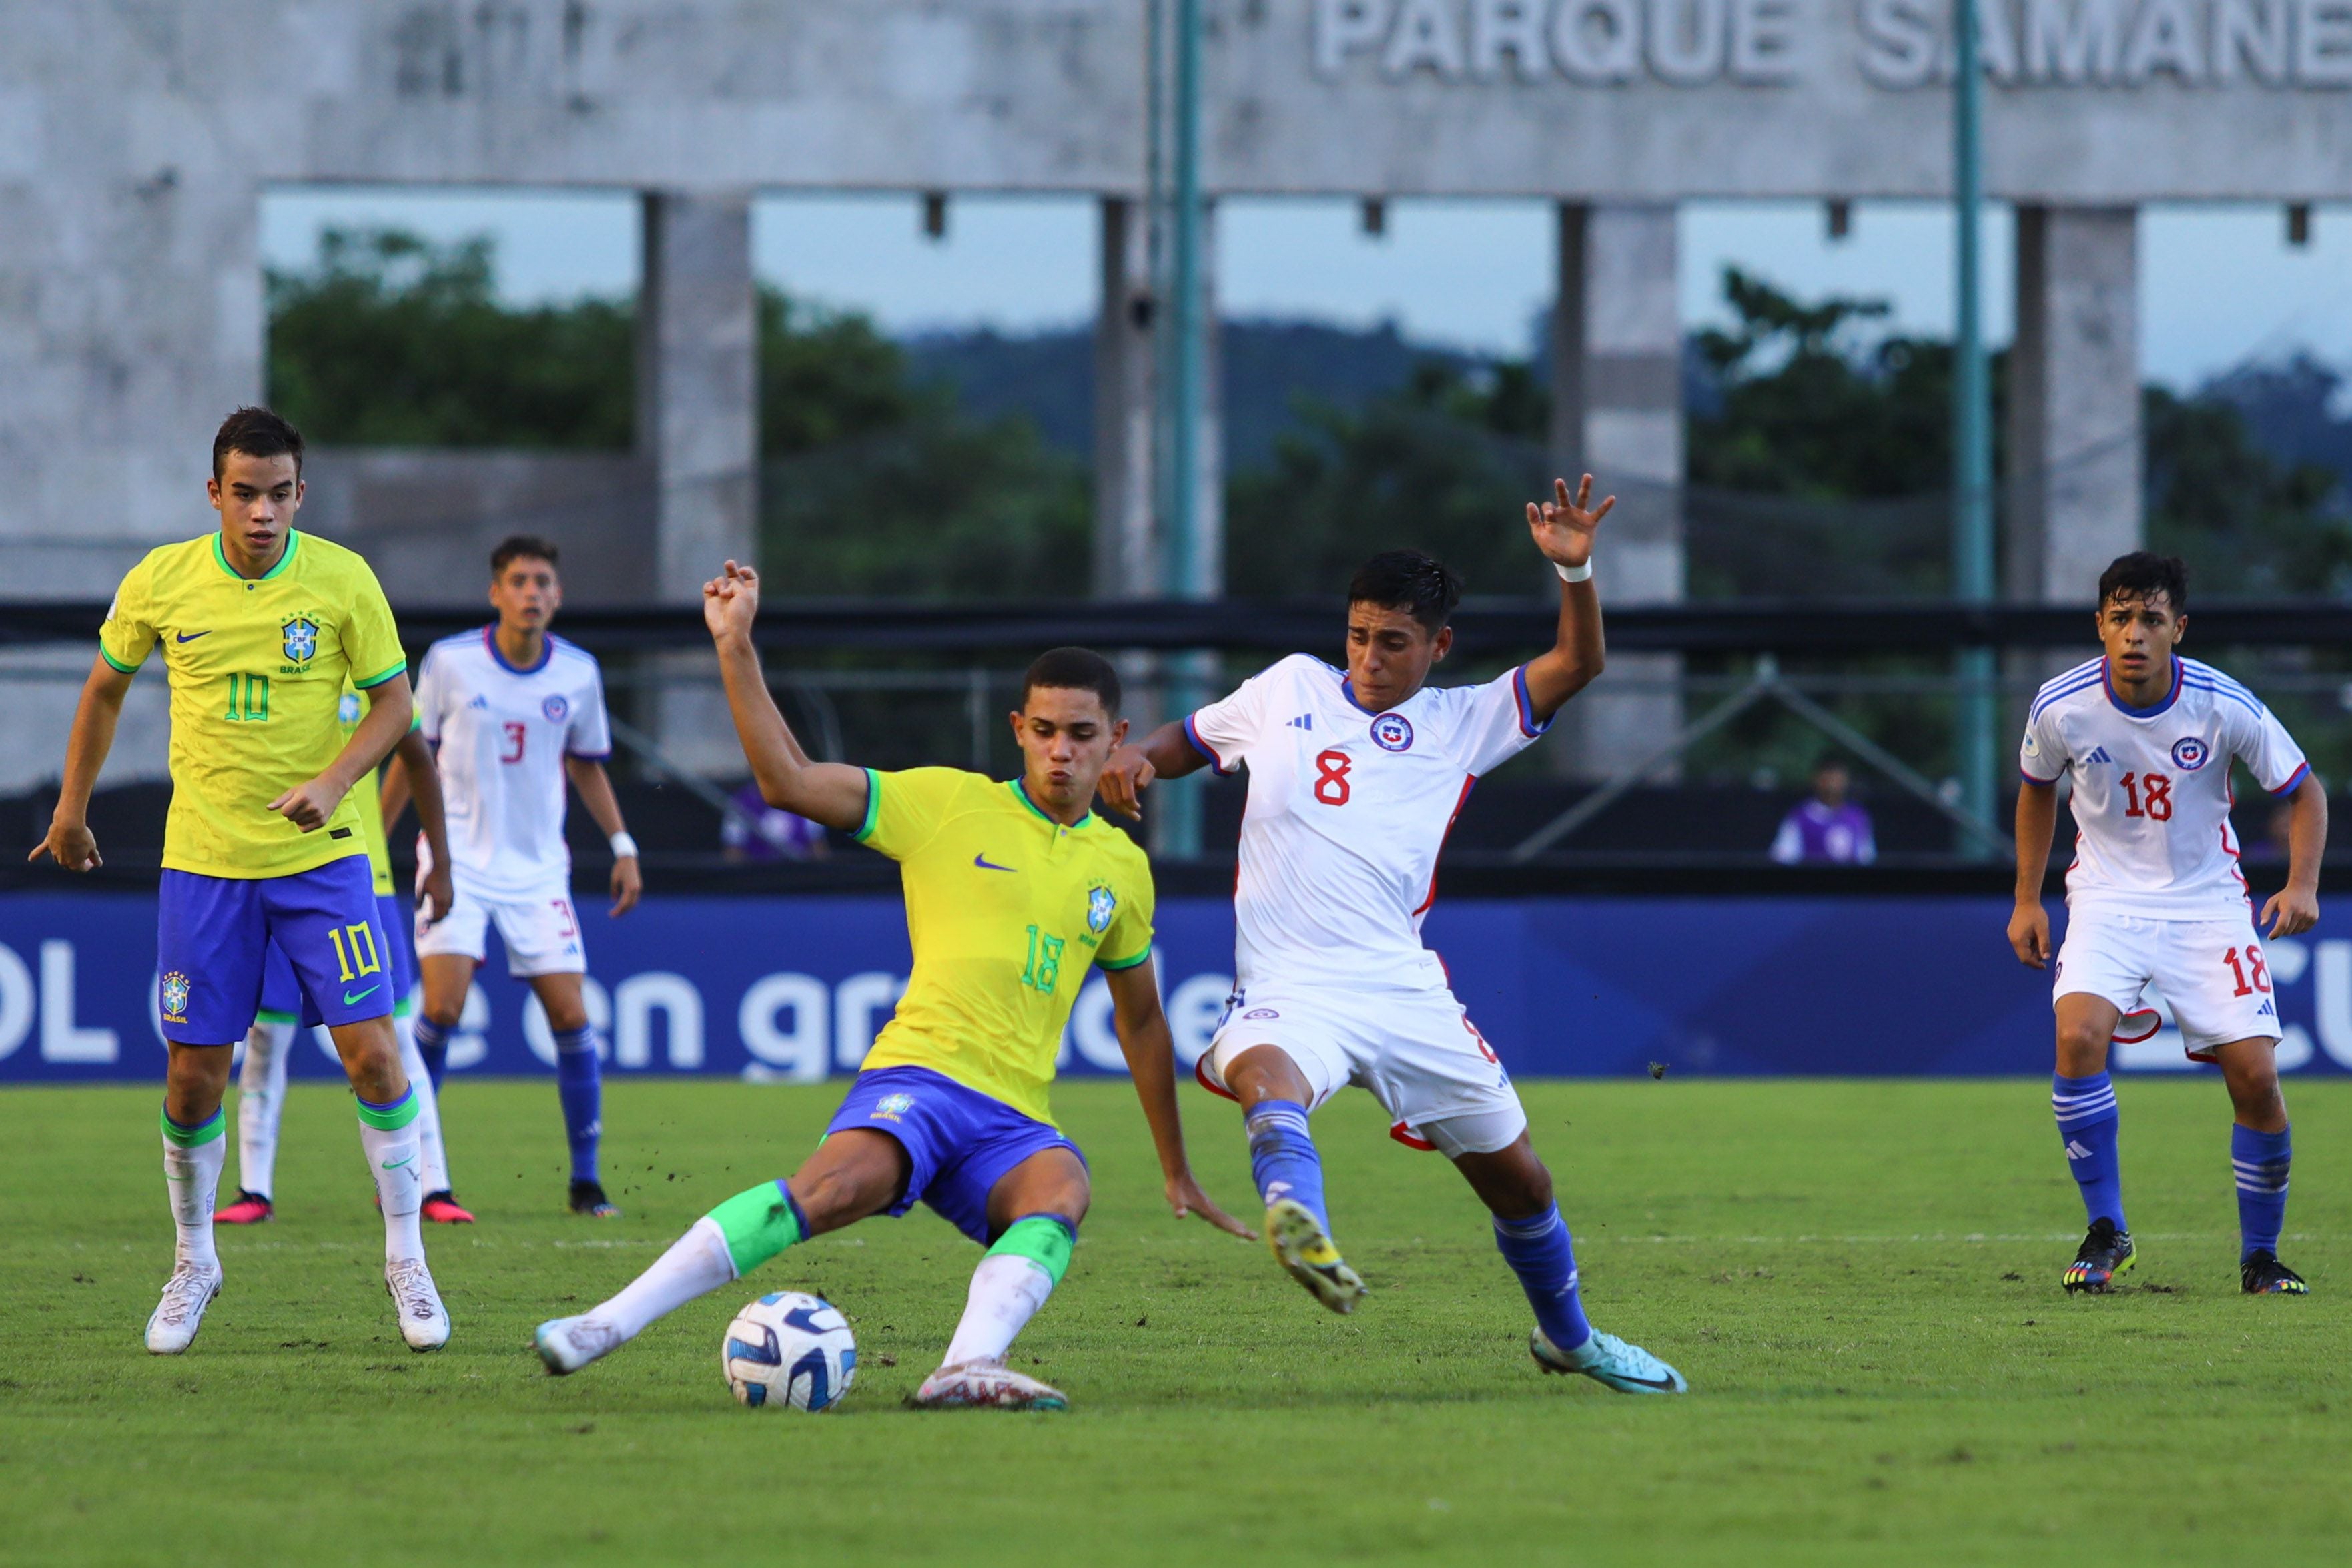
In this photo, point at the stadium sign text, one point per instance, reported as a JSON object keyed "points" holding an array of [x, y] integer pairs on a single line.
{"points": [[1899, 44]]}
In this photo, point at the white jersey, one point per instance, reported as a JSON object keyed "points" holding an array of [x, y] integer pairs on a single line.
{"points": [[1347, 813], [502, 735], [2152, 786]]}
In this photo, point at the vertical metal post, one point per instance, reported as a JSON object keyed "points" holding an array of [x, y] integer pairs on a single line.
{"points": [[1178, 828], [1972, 523]]}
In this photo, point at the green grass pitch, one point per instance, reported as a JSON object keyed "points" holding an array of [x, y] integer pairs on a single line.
{"points": [[1860, 1280]]}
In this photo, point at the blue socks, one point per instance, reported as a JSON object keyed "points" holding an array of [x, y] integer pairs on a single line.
{"points": [[1283, 1160], [581, 1086], [2260, 1160], [1541, 1253], [2087, 1121], [433, 1045]]}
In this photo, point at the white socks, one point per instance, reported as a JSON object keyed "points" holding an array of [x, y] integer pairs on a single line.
{"points": [[392, 1161], [192, 1172], [695, 1264], [432, 1159], [1006, 1291], [261, 1105]]}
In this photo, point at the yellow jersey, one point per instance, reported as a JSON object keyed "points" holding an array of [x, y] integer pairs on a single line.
{"points": [[369, 794], [258, 670], [1006, 910]]}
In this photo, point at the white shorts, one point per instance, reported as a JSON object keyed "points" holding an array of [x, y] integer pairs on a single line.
{"points": [[541, 933], [1415, 1049], [2211, 972]]}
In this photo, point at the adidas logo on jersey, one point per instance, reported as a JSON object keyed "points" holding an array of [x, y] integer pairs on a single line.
{"points": [[2266, 1011], [2099, 754], [2075, 1150], [1304, 722], [478, 702]]}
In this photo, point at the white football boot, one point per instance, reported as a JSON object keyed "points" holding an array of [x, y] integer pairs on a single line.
{"points": [[1608, 1361], [424, 1322], [180, 1312], [987, 1385], [567, 1344]]}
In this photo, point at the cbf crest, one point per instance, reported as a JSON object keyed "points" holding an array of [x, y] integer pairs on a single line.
{"points": [[175, 997], [299, 639], [1101, 904]]}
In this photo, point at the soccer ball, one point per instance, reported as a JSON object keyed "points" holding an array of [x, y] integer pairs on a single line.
{"points": [[789, 1351]]}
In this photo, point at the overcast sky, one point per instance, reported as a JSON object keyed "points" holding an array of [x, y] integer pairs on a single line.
{"points": [[2217, 284]]}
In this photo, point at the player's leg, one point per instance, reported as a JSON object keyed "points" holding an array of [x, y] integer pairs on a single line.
{"points": [[580, 1087], [1277, 1085], [440, 1204], [1489, 1144], [2261, 1150], [853, 1172], [544, 950], [447, 952], [260, 1108], [2103, 969], [1021, 1188], [210, 936], [327, 922]]}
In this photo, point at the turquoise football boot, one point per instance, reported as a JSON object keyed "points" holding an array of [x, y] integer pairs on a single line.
{"points": [[1605, 1358]]}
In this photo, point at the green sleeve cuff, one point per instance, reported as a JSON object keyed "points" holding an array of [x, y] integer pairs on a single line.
{"points": [[1115, 964], [872, 805], [125, 668], [400, 669]]}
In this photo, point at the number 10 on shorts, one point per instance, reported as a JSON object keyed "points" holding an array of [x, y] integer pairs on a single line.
{"points": [[355, 945]]}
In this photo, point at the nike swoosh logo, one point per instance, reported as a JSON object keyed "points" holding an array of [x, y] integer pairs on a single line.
{"points": [[396, 1164], [352, 996], [985, 864], [191, 637]]}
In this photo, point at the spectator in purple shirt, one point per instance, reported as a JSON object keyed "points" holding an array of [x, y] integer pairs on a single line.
{"points": [[1828, 828], [763, 834]]}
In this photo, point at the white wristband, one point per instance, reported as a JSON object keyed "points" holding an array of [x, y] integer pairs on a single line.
{"points": [[1574, 574], [624, 846]]}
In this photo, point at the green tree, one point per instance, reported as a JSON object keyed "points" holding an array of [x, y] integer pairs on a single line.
{"points": [[389, 340], [2245, 522]]}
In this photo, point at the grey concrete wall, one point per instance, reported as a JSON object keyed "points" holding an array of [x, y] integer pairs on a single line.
{"points": [[2073, 491]]}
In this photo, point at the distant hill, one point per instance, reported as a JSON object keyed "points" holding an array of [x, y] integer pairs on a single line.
{"points": [[1269, 367]]}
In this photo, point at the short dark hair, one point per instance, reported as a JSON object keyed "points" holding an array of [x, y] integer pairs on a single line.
{"points": [[519, 546], [1073, 669], [2144, 574], [1412, 580], [256, 432]]}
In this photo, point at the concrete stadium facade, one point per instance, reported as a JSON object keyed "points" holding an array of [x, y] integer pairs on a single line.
{"points": [[136, 144]]}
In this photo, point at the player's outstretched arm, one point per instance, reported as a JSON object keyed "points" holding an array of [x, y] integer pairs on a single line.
{"points": [[1151, 1052], [829, 792], [1164, 753], [2028, 923], [1563, 529], [2295, 908], [411, 776], [595, 787], [69, 841], [309, 804]]}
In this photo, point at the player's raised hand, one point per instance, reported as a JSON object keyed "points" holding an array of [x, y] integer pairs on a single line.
{"points": [[1124, 779], [2028, 935], [731, 601], [308, 806], [1563, 526], [629, 885], [2291, 911], [71, 844], [1185, 1198]]}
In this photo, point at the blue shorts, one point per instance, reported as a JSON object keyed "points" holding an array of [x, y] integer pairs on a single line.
{"points": [[213, 934], [282, 1001], [958, 1142]]}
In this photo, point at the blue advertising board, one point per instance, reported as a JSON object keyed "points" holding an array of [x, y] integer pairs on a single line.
{"points": [[794, 989]]}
